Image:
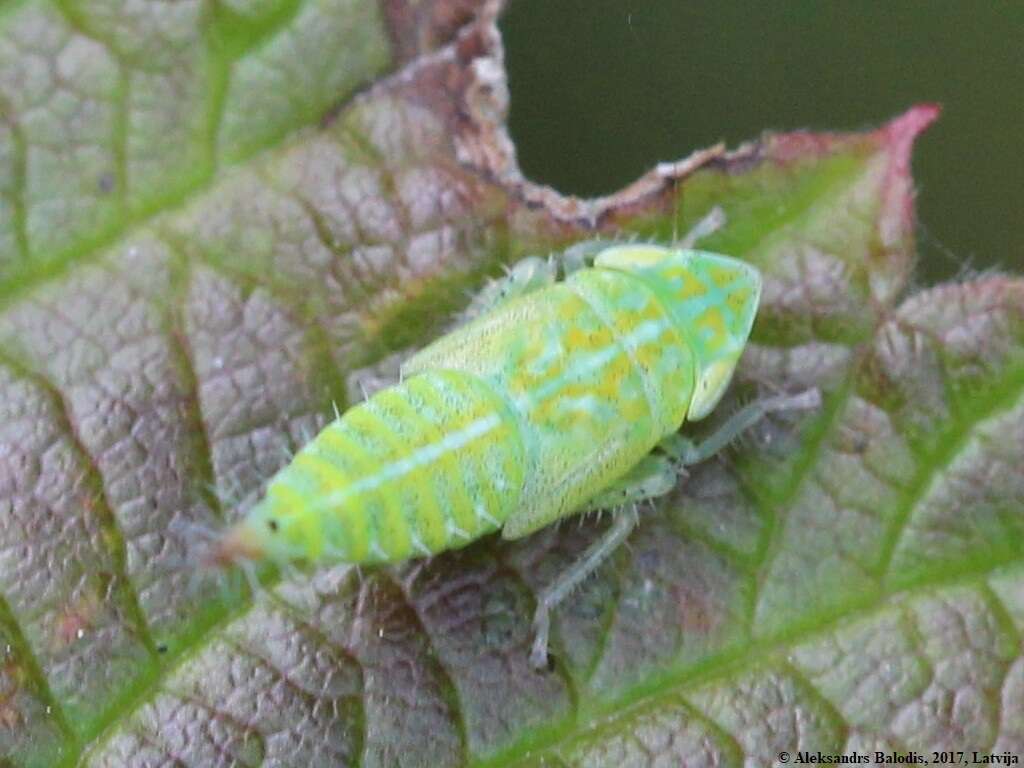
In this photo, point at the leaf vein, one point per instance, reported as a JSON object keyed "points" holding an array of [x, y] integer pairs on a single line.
{"points": [[30, 664], [105, 517], [931, 467]]}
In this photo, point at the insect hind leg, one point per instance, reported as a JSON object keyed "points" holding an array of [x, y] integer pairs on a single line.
{"points": [[652, 477], [554, 593]]}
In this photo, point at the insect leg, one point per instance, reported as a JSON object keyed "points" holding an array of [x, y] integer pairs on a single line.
{"points": [[531, 273], [521, 278], [625, 521], [687, 452], [711, 222], [582, 254], [653, 476]]}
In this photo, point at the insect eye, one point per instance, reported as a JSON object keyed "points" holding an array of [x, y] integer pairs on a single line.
{"points": [[272, 525]]}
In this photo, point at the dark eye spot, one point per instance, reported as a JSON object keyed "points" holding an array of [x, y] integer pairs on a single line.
{"points": [[272, 525]]}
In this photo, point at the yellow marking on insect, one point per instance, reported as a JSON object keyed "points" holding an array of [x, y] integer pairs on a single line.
{"points": [[325, 474], [682, 284], [357, 537], [711, 325], [423, 481], [721, 275], [737, 299]]}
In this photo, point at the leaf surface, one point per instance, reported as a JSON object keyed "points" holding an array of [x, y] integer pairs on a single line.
{"points": [[213, 221]]}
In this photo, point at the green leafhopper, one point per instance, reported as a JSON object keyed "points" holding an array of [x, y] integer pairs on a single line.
{"points": [[547, 403]]}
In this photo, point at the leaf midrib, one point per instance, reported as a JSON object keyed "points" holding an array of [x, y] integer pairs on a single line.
{"points": [[740, 658]]}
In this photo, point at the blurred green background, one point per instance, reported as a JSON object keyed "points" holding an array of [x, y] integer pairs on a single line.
{"points": [[603, 89]]}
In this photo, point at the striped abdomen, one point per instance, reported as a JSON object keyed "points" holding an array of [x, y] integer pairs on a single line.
{"points": [[421, 467]]}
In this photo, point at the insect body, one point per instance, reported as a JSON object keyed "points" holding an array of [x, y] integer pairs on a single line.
{"points": [[548, 403], [519, 418]]}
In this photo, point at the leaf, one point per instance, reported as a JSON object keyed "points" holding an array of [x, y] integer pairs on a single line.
{"points": [[206, 231]]}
